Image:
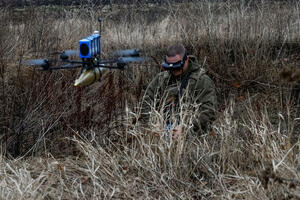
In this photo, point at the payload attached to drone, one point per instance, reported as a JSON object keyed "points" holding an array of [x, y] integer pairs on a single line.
{"points": [[91, 64]]}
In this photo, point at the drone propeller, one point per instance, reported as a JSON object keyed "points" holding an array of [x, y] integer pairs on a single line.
{"points": [[128, 52], [44, 63], [132, 59], [37, 62]]}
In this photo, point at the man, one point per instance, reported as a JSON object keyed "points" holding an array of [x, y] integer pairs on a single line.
{"points": [[183, 93]]}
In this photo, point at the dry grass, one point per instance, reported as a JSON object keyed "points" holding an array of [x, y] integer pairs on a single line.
{"points": [[59, 142], [258, 163]]}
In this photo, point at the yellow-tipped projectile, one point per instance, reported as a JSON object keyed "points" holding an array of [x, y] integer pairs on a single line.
{"points": [[88, 77]]}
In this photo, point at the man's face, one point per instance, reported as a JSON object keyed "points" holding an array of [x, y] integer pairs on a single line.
{"points": [[175, 59]]}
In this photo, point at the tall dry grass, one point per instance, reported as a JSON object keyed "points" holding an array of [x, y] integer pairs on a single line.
{"points": [[247, 159], [62, 142]]}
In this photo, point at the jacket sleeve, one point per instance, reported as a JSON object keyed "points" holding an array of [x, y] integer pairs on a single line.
{"points": [[206, 103]]}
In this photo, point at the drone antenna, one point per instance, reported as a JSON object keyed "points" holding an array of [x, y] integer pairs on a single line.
{"points": [[100, 25], [100, 34]]}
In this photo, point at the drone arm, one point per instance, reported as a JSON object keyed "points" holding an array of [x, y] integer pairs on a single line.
{"points": [[83, 62], [67, 66]]}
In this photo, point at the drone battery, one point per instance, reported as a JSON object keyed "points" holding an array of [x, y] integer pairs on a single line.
{"points": [[89, 46], [92, 45], [97, 42]]}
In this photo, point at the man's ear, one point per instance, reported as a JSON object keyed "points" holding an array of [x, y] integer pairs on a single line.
{"points": [[187, 59]]}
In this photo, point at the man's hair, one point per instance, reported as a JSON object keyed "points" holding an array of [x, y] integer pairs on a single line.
{"points": [[176, 49]]}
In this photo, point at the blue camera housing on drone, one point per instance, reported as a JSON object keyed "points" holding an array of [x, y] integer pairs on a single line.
{"points": [[90, 46]]}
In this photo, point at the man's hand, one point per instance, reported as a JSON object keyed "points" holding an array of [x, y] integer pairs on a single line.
{"points": [[177, 131]]}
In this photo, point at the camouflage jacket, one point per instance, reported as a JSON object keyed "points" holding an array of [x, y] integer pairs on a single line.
{"points": [[189, 97]]}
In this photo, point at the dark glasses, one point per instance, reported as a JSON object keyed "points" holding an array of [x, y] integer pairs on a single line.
{"points": [[174, 66]]}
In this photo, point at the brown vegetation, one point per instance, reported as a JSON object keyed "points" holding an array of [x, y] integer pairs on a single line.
{"points": [[58, 141]]}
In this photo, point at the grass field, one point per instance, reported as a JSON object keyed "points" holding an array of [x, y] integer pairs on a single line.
{"points": [[62, 142]]}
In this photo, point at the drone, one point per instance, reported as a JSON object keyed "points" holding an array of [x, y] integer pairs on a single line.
{"points": [[91, 63]]}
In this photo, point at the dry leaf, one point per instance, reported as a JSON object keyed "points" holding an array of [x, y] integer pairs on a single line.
{"points": [[236, 85], [59, 167], [125, 170], [84, 179], [240, 98], [212, 133]]}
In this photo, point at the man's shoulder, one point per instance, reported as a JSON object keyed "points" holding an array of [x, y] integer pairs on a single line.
{"points": [[197, 72], [205, 82], [200, 78]]}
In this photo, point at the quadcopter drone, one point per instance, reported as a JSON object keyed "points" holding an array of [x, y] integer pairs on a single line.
{"points": [[91, 64]]}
